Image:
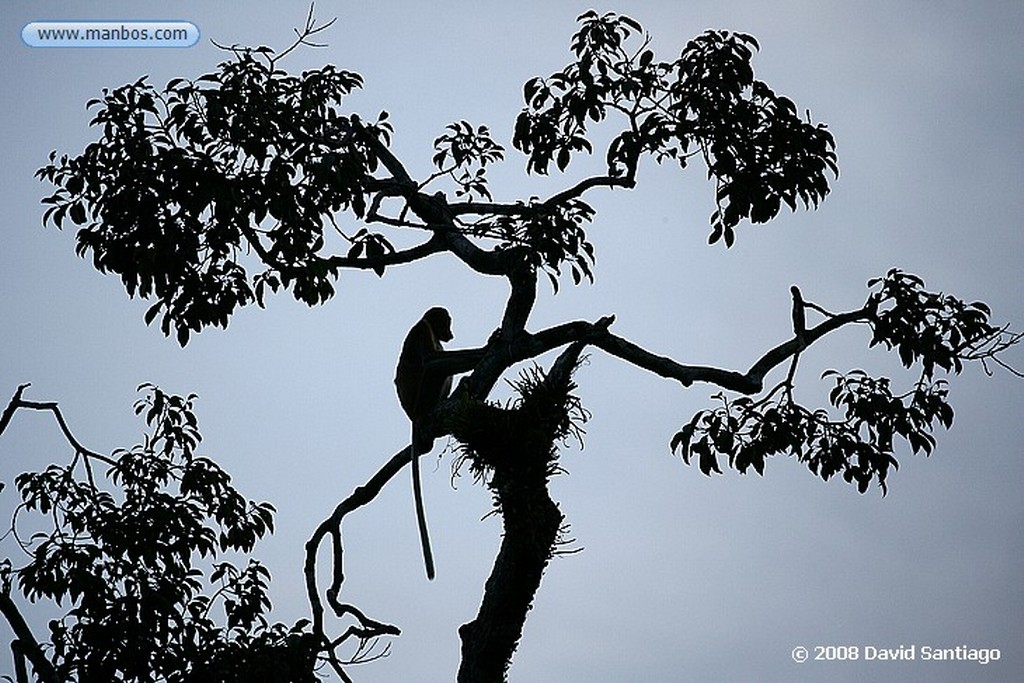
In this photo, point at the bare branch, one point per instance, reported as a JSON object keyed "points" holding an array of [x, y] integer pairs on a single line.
{"points": [[587, 183], [988, 349], [520, 209], [303, 37], [369, 628], [12, 406], [499, 357], [671, 369], [750, 382], [17, 402]]}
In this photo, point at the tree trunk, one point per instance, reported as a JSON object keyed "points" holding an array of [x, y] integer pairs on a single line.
{"points": [[532, 521]]}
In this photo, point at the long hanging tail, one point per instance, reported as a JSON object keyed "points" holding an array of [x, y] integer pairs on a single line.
{"points": [[417, 494]]}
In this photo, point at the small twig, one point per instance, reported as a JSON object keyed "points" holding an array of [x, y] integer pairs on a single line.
{"points": [[17, 402], [799, 333], [12, 406], [302, 37], [815, 307], [79, 448]]}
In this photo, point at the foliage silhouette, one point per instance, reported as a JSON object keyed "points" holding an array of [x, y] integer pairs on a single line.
{"points": [[139, 556], [204, 194]]}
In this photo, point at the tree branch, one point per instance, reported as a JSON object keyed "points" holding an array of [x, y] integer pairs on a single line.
{"points": [[780, 353], [363, 495], [750, 382], [27, 645], [516, 447], [579, 188], [520, 209], [434, 245], [395, 167], [481, 260], [12, 406], [17, 402], [526, 346]]}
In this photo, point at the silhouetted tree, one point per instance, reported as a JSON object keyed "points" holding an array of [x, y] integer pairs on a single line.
{"points": [[186, 181], [131, 550]]}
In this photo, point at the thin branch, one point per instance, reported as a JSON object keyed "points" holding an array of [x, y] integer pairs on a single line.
{"points": [[989, 347], [579, 188], [302, 37], [434, 245], [79, 448], [331, 526], [12, 406], [799, 330], [433, 210], [520, 209], [1003, 364], [27, 644], [17, 402]]}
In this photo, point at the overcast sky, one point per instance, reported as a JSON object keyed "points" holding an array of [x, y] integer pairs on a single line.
{"points": [[682, 577]]}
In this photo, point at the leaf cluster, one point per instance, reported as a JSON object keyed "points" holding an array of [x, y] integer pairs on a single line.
{"points": [[553, 235], [755, 145], [858, 444], [184, 180], [930, 328], [126, 557], [463, 153]]}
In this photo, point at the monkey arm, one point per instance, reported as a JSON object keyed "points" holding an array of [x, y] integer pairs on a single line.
{"points": [[454, 362]]}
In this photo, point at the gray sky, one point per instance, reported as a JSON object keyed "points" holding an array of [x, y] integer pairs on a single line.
{"points": [[683, 577]]}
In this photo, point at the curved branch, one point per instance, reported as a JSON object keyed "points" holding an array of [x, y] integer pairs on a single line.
{"points": [[51, 406], [434, 245], [498, 357], [332, 526], [481, 260], [434, 211], [750, 382], [579, 188], [520, 209], [503, 351], [780, 353]]}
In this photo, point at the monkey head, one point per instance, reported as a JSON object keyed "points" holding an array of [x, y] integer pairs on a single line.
{"points": [[440, 321]]}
